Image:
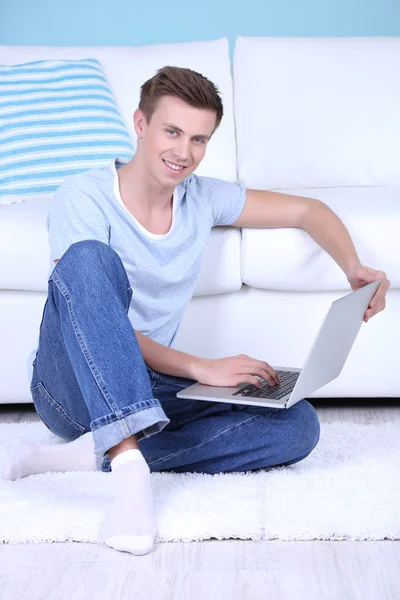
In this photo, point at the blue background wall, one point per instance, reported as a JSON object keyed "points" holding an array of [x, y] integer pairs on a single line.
{"points": [[132, 23]]}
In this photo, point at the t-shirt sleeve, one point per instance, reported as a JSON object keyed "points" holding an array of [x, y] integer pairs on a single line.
{"points": [[74, 215], [226, 199]]}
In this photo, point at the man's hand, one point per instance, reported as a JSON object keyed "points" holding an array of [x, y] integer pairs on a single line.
{"points": [[233, 370], [359, 276]]}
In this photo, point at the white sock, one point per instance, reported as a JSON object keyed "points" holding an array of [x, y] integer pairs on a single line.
{"points": [[39, 458], [130, 525]]}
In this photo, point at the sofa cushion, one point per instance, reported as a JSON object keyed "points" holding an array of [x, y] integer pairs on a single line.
{"points": [[57, 118], [289, 259], [25, 256], [317, 112], [276, 259]]}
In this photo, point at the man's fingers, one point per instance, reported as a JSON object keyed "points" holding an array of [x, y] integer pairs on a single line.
{"points": [[376, 308], [276, 376], [267, 376], [271, 371], [255, 381], [263, 370]]}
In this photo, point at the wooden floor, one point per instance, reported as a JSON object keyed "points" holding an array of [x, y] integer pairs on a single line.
{"points": [[210, 570]]}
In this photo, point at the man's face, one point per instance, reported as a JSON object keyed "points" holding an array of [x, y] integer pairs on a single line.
{"points": [[161, 141]]}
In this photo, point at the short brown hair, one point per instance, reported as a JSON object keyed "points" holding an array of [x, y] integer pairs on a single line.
{"points": [[186, 84]]}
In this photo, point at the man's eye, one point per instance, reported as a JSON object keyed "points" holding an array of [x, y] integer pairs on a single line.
{"points": [[173, 131]]}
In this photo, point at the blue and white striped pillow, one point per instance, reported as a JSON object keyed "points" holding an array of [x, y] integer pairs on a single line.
{"points": [[57, 118]]}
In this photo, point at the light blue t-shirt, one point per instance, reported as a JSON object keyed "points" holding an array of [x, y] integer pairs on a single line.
{"points": [[162, 269]]}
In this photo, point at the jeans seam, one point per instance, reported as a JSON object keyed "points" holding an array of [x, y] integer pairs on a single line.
{"points": [[57, 407], [164, 458], [92, 366]]}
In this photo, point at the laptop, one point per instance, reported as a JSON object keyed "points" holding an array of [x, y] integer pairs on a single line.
{"points": [[324, 362]]}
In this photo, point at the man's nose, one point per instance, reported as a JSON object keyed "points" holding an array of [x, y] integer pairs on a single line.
{"points": [[182, 151]]}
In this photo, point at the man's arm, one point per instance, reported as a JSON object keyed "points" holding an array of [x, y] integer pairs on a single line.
{"points": [[166, 360], [273, 209], [265, 209]]}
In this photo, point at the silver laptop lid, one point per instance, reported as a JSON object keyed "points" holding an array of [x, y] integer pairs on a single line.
{"points": [[333, 341]]}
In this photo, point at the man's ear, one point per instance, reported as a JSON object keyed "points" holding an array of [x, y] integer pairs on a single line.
{"points": [[139, 122]]}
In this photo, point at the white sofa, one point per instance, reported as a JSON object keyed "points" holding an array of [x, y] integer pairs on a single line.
{"points": [[314, 117]]}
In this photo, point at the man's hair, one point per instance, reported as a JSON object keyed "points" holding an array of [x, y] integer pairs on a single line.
{"points": [[186, 84]]}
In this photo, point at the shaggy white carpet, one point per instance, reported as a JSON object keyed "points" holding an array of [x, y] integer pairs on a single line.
{"points": [[348, 488]]}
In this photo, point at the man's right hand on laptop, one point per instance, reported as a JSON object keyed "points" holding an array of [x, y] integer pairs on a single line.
{"points": [[233, 370]]}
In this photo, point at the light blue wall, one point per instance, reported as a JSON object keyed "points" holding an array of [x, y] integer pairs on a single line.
{"points": [[130, 23]]}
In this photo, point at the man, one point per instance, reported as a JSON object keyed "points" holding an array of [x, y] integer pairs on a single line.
{"points": [[127, 242]]}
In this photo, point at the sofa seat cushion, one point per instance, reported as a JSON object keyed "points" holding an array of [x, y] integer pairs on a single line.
{"points": [[25, 256], [289, 259]]}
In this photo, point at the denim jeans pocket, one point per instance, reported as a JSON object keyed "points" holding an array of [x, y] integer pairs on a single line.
{"points": [[53, 415], [153, 376]]}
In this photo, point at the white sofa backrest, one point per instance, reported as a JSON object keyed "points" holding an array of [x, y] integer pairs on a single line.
{"points": [[317, 112], [127, 68]]}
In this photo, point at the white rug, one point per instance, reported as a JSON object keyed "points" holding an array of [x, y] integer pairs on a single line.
{"points": [[347, 489]]}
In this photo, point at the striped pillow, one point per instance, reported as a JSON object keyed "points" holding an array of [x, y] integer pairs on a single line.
{"points": [[57, 118]]}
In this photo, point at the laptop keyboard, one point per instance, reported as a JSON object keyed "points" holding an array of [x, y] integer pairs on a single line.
{"points": [[276, 392]]}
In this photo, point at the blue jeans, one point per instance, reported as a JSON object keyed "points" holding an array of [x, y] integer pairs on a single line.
{"points": [[89, 375]]}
